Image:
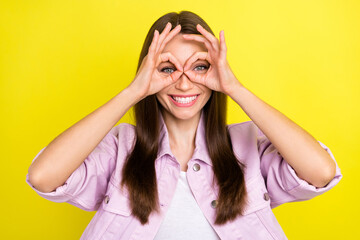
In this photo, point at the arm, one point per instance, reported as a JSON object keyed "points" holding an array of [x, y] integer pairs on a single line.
{"points": [[301, 150], [68, 150], [310, 161]]}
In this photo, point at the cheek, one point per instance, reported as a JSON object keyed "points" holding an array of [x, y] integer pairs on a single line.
{"points": [[208, 94], [162, 99]]}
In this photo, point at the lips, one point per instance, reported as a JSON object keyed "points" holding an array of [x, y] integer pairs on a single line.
{"points": [[184, 100]]}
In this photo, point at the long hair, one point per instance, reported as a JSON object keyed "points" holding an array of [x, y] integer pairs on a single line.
{"points": [[139, 173]]}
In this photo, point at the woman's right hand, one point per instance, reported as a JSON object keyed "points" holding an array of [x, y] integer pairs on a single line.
{"points": [[149, 80]]}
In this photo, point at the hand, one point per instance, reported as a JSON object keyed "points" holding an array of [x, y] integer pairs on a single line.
{"points": [[148, 79], [219, 77]]}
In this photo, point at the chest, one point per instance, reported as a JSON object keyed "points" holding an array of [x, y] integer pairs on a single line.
{"points": [[115, 221]]}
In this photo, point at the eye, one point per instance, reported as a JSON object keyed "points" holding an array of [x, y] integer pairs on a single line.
{"points": [[201, 68], [167, 70]]}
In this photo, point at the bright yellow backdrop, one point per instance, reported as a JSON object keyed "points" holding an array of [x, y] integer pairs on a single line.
{"points": [[60, 60]]}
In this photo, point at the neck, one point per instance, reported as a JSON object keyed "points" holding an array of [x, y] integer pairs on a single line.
{"points": [[181, 132]]}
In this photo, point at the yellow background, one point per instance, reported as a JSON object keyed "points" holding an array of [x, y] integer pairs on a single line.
{"points": [[60, 60]]}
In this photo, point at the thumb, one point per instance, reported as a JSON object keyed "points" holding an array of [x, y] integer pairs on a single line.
{"points": [[170, 79], [197, 78], [176, 75]]}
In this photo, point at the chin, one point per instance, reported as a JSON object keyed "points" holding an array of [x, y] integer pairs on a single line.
{"points": [[181, 114], [185, 115]]}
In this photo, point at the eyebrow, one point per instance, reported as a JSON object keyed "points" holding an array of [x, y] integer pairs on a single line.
{"points": [[202, 60], [167, 62]]}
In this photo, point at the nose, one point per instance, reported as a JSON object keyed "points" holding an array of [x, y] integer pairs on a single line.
{"points": [[184, 83]]}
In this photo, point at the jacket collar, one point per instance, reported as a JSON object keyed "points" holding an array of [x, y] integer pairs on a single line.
{"points": [[200, 152]]}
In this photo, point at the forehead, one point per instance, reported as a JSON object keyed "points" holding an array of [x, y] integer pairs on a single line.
{"points": [[183, 49]]}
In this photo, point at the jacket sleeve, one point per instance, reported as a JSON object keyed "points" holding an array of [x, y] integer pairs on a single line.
{"points": [[86, 186], [281, 180]]}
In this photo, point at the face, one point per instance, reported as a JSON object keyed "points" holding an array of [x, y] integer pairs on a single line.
{"points": [[183, 99]]}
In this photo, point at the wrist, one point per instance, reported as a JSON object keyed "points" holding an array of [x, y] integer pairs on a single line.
{"points": [[234, 89], [138, 89], [134, 93]]}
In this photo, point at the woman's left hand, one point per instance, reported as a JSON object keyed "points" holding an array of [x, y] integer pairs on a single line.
{"points": [[219, 77]]}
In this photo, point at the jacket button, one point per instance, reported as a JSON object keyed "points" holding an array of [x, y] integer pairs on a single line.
{"points": [[214, 203], [196, 167], [266, 196], [106, 199]]}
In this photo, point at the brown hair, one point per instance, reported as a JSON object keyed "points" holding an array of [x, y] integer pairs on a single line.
{"points": [[139, 173]]}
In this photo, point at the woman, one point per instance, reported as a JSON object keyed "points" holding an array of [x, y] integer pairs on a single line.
{"points": [[181, 173]]}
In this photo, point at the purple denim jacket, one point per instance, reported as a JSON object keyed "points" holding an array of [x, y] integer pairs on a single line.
{"points": [[269, 179]]}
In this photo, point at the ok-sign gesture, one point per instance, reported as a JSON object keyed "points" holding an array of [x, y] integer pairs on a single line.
{"points": [[148, 79], [219, 76]]}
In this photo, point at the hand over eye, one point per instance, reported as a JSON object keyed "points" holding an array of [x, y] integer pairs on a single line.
{"points": [[148, 79], [219, 76]]}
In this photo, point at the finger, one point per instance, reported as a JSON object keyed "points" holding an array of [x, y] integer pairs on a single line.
{"points": [[196, 56], [173, 32], [223, 48], [164, 57], [162, 36], [176, 75], [153, 43], [214, 41], [198, 38], [170, 79], [198, 78]]}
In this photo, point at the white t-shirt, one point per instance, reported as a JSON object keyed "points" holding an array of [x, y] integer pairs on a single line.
{"points": [[184, 219]]}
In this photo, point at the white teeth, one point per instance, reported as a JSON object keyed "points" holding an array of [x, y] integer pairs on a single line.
{"points": [[184, 99]]}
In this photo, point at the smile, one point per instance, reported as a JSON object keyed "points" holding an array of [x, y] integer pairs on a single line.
{"points": [[184, 100]]}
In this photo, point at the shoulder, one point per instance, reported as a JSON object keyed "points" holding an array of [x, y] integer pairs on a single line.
{"points": [[244, 140], [244, 137], [246, 130], [123, 130], [125, 135]]}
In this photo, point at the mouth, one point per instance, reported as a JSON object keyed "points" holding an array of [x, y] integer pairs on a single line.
{"points": [[184, 100]]}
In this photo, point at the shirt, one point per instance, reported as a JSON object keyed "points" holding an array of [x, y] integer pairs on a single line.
{"points": [[270, 181], [184, 219]]}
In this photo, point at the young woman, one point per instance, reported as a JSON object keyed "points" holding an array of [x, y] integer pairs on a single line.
{"points": [[181, 172]]}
